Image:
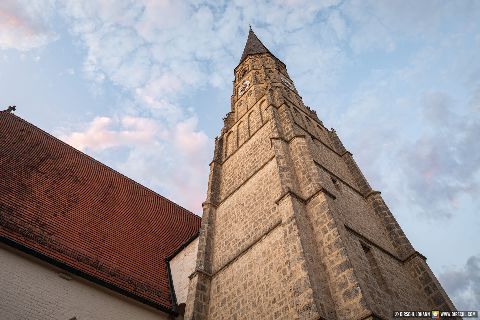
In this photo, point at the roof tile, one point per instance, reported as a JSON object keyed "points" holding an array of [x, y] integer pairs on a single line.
{"points": [[65, 205]]}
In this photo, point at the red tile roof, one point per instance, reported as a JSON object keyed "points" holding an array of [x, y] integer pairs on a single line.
{"points": [[65, 206]]}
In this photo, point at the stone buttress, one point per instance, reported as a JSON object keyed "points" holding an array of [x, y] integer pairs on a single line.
{"points": [[291, 229]]}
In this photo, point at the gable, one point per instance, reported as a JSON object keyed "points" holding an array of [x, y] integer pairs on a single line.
{"points": [[70, 209]]}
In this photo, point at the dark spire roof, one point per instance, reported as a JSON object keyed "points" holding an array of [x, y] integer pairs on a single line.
{"points": [[253, 46]]}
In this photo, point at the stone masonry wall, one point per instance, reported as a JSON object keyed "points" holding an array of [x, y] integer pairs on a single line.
{"points": [[346, 292], [332, 162], [310, 125], [245, 215], [245, 161], [355, 212], [253, 287], [384, 278]]}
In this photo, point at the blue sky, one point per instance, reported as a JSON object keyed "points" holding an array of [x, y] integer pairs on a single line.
{"points": [[143, 85]]}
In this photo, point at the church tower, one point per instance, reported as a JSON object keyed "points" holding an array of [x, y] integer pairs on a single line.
{"points": [[291, 228]]}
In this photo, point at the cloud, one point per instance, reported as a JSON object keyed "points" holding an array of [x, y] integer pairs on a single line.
{"points": [[411, 127], [104, 132], [422, 155], [175, 164], [187, 140], [463, 284], [179, 45], [25, 25], [442, 164], [157, 52], [384, 25], [170, 158], [475, 101]]}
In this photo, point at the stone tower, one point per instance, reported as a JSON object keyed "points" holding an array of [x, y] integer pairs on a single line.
{"points": [[291, 229]]}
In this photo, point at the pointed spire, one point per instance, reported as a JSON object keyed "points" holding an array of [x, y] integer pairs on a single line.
{"points": [[253, 45]]}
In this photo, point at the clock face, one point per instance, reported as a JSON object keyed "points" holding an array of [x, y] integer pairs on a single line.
{"points": [[287, 83], [243, 88]]}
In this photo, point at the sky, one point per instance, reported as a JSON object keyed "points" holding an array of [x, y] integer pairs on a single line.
{"points": [[142, 86]]}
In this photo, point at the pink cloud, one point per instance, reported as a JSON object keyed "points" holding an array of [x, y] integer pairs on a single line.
{"points": [[24, 27], [104, 132], [187, 140], [171, 158]]}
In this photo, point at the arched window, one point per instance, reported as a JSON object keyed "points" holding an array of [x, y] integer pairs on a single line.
{"points": [[242, 73], [242, 132], [254, 121], [231, 143]]}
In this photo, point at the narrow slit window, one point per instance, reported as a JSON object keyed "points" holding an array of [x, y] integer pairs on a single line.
{"points": [[374, 268], [335, 183]]}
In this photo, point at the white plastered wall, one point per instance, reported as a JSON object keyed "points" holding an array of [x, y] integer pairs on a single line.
{"points": [[31, 289], [182, 266]]}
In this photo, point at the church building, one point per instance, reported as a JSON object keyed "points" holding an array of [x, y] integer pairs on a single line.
{"points": [[291, 229]]}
